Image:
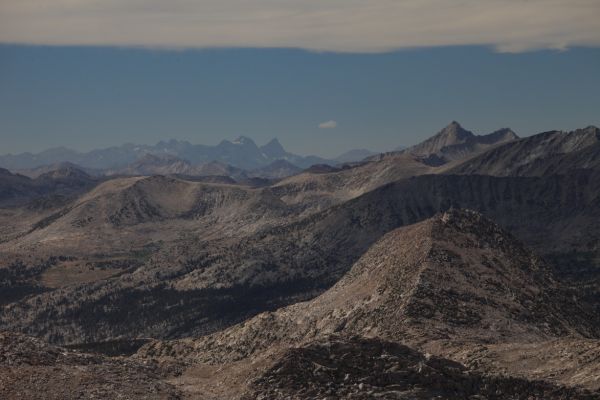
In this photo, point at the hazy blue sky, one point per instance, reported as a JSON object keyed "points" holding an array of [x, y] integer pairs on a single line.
{"points": [[90, 97]]}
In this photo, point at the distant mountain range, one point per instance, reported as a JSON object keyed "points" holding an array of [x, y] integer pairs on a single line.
{"points": [[453, 149], [165, 164], [241, 153], [239, 159]]}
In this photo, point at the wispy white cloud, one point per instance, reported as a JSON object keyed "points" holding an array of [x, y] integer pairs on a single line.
{"points": [[332, 25], [328, 124]]}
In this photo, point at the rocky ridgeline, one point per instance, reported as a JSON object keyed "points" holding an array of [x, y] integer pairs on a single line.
{"points": [[544, 154], [456, 276]]}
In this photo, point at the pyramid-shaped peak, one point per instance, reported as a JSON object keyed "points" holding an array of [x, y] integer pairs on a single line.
{"points": [[455, 131], [455, 143], [451, 135], [273, 149]]}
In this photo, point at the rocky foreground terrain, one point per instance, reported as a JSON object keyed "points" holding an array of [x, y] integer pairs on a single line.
{"points": [[32, 369], [359, 368], [464, 267]]}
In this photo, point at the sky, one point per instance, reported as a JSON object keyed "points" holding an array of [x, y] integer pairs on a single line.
{"points": [[323, 77]]}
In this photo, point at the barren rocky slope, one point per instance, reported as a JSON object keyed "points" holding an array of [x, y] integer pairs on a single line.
{"points": [[115, 209], [456, 276], [320, 189], [553, 152], [214, 269], [452, 286]]}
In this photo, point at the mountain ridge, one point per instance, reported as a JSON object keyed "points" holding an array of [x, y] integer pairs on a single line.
{"points": [[241, 152], [455, 281], [395, 292], [542, 154], [454, 142]]}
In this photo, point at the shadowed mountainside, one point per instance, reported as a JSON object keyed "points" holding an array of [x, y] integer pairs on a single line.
{"points": [[547, 153], [64, 182]]}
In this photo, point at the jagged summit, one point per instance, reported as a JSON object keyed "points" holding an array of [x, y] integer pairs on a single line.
{"points": [[454, 142], [241, 152], [451, 135], [454, 133]]}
